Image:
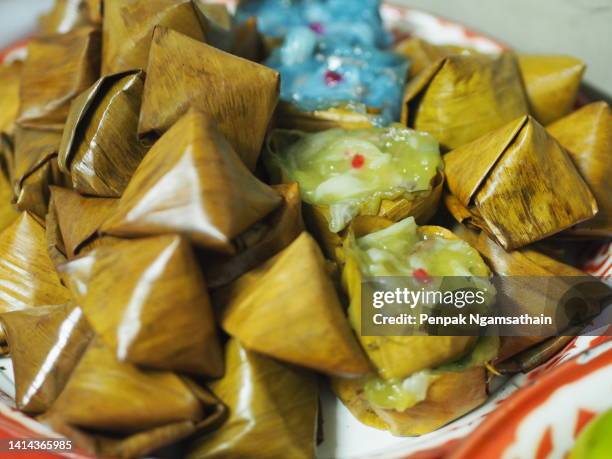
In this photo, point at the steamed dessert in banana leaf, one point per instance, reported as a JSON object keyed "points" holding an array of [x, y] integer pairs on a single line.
{"points": [[517, 184], [272, 410], [254, 310], [157, 290], [58, 68], [100, 148], [128, 29], [111, 408], [192, 182], [67, 15], [180, 74], [421, 382], [45, 344], [552, 84], [462, 97], [318, 74], [586, 135], [347, 20], [391, 172]]}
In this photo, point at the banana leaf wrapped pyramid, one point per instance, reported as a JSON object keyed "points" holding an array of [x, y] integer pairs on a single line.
{"points": [[57, 69], [272, 410], [68, 15], [349, 175], [9, 96], [517, 184], [422, 54], [259, 243], [157, 289], [461, 97], [552, 84], [115, 409], [28, 275], [128, 28], [78, 217], [192, 182], [45, 344], [180, 74], [586, 134], [255, 311], [100, 148]]}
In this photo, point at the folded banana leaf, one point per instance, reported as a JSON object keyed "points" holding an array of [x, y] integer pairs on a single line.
{"points": [[273, 410], [28, 275], [422, 54], [157, 289], [517, 184], [8, 214], [100, 148], [451, 395], [461, 97], [552, 84], [259, 243], [399, 356], [10, 76], [78, 217], [254, 310], [128, 29], [114, 409], [192, 182], [57, 69], [45, 344], [534, 356], [346, 117], [586, 134], [67, 15], [35, 168], [181, 72], [55, 244]]}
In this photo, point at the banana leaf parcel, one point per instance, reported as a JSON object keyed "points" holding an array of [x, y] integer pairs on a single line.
{"points": [[180, 74], [45, 344], [128, 29], [552, 84], [57, 69], [115, 409], [517, 184], [422, 54], [255, 310], [586, 134], [459, 98], [192, 182], [272, 410], [100, 148]]}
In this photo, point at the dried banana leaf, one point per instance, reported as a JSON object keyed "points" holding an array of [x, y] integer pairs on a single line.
{"points": [[10, 76], [100, 148], [289, 117], [422, 54], [450, 396], [399, 356], [181, 72], [273, 410], [255, 311], [128, 30], [586, 134], [157, 289], [517, 184], [462, 97], [45, 344], [28, 275], [57, 69], [67, 15], [192, 182], [260, 242], [79, 217], [114, 409], [552, 84]]}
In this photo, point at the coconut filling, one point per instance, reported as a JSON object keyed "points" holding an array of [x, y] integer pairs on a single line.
{"points": [[352, 171]]}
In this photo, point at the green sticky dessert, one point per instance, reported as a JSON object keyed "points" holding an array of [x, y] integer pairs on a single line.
{"points": [[352, 172]]}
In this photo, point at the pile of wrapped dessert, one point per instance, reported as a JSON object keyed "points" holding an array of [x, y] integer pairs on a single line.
{"points": [[177, 270]]}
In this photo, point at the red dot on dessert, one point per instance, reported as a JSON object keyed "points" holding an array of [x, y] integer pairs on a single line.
{"points": [[316, 27], [358, 161], [332, 78], [421, 275]]}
